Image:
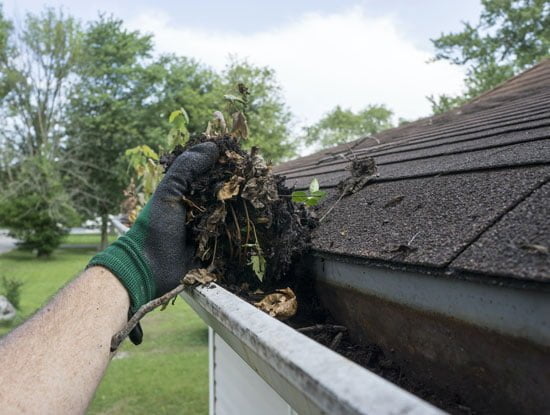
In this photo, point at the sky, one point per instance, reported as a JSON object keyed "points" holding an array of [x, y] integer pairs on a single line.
{"points": [[325, 52]]}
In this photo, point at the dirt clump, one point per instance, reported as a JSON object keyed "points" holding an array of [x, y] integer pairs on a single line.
{"points": [[246, 228]]}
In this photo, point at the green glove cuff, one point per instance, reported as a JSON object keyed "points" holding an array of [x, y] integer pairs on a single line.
{"points": [[125, 258]]}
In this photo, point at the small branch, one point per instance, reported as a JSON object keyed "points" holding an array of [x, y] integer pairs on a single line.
{"points": [[144, 309], [336, 341], [332, 207], [319, 327], [247, 223]]}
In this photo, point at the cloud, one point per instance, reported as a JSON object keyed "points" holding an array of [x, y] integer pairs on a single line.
{"points": [[322, 60]]}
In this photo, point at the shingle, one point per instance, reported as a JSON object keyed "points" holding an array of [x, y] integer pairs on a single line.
{"points": [[524, 153], [447, 180], [445, 213], [515, 246]]}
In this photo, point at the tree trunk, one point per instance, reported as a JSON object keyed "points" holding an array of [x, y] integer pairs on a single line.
{"points": [[104, 229]]}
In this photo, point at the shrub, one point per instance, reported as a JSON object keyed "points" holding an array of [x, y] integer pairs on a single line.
{"points": [[11, 289], [35, 207]]}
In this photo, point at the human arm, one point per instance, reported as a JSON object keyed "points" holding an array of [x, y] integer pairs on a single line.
{"points": [[59, 356], [53, 362]]}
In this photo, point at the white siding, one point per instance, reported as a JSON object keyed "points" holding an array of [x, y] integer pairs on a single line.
{"points": [[237, 389]]}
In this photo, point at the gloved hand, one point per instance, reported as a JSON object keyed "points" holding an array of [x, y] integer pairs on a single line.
{"points": [[153, 256]]}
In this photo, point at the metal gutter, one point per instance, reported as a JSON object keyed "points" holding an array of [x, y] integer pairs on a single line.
{"points": [[310, 377], [487, 343], [514, 312], [119, 227]]}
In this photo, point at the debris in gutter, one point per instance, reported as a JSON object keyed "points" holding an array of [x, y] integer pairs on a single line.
{"points": [[281, 304]]}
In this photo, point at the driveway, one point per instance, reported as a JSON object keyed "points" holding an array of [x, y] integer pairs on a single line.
{"points": [[6, 243]]}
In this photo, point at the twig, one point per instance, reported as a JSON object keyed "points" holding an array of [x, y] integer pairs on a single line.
{"points": [[319, 327], [332, 207], [237, 226], [228, 233], [336, 341], [248, 222], [144, 309], [214, 253], [413, 238]]}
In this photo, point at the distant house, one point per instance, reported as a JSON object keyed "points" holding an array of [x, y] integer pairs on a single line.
{"points": [[444, 259]]}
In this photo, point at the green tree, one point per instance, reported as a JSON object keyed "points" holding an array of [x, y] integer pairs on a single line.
{"points": [[6, 28], [184, 83], [113, 107], [267, 114], [35, 67], [511, 35], [35, 206], [344, 125], [36, 63]]}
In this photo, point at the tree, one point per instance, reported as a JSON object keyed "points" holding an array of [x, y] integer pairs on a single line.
{"points": [[36, 63], [36, 66], [511, 35], [35, 206], [268, 116], [343, 125], [112, 108], [184, 83]]}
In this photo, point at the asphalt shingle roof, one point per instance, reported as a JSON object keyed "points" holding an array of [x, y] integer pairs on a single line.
{"points": [[466, 191]]}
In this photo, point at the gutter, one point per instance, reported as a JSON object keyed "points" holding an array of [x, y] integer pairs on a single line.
{"points": [[311, 378]]}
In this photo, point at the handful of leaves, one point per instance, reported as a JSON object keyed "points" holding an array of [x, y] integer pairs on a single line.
{"points": [[247, 226], [242, 218]]}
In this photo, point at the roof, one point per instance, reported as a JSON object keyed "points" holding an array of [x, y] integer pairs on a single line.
{"points": [[465, 192]]}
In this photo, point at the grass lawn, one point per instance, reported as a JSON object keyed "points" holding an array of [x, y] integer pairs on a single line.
{"points": [[86, 239], [166, 374]]}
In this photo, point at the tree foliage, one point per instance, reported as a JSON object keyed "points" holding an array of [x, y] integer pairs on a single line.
{"points": [[267, 114], [78, 97], [511, 35], [35, 206], [344, 125], [111, 109], [36, 66]]}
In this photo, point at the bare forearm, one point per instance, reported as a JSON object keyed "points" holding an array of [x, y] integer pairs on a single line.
{"points": [[54, 362]]}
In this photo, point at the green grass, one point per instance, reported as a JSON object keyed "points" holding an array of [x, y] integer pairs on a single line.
{"points": [[86, 239], [167, 373]]}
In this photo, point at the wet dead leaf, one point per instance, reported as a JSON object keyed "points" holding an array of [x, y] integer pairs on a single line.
{"points": [[281, 304], [240, 126], [210, 224], [260, 191], [230, 188], [198, 276], [234, 157]]}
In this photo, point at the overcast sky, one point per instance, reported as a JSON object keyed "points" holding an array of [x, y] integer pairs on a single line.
{"points": [[351, 53]]}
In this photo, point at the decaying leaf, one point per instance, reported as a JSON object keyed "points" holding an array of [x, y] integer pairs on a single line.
{"points": [[362, 171], [230, 188], [210, 224], [198, 276], [259, 166], [217, 126], [234, 157], [281, 304], [240, 126], [260, 191]]}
